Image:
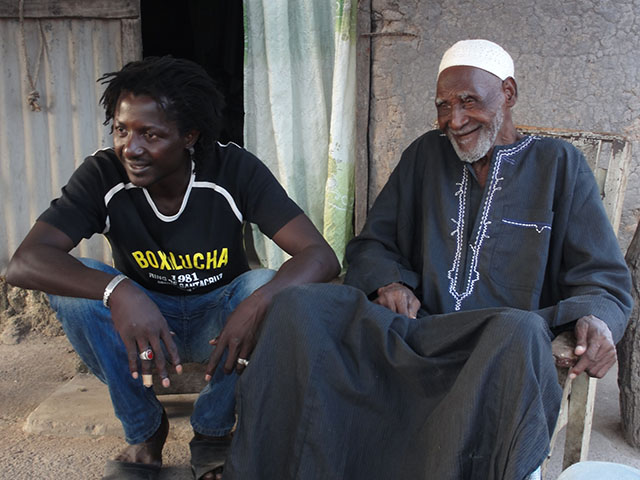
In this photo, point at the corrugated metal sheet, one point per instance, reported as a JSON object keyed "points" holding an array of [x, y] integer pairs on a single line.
{"points": [[40, 150]]}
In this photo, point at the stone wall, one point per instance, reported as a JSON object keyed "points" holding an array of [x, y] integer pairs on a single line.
{"points": [[577, 67]]}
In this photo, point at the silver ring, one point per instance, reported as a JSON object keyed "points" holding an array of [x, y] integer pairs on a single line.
{"points": [[147, 354], [243, 361]]}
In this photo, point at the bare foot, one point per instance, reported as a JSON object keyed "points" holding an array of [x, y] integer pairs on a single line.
{"points": [[217, 473], [149, 451], [210, 476]]}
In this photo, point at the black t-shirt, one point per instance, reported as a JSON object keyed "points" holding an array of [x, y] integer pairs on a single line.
{"points": [[194, 251]]}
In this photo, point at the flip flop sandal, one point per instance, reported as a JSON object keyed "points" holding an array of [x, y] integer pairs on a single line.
{"points": [[115, 470], [208, 455]]}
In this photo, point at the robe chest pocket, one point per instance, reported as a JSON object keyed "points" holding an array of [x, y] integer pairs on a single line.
{"points": [[520, 240]]}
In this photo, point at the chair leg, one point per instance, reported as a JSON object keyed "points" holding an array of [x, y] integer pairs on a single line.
{"points": [[581, 401], [565, 381]]}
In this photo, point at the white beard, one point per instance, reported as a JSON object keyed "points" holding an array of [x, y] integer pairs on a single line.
{"points": [[485, 141]]}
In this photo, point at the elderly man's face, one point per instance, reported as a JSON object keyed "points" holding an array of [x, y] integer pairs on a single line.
{"points": [[471, 107]]}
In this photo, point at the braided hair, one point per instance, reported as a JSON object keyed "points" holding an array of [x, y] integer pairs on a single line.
{"points": [[182, 88]]}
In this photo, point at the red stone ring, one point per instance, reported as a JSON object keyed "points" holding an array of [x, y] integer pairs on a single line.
{"points": [[147, 354]]}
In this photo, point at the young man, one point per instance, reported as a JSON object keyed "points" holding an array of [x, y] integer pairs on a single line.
{"points": [[172, 203]]}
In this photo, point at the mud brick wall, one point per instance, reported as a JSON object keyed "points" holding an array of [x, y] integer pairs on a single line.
{"points": [[577, 67]]}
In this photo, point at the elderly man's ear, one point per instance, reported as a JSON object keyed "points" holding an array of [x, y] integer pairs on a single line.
{"points": [[510, 90]]}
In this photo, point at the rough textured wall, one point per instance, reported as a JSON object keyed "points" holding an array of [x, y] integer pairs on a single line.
{"points": [[577, 67], [23, 311]]}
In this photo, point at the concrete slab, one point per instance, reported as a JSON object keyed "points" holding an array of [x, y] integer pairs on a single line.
{"points": [[82, 407]]}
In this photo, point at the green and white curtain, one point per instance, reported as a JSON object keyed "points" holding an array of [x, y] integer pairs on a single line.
{"points": [[299, 98]]}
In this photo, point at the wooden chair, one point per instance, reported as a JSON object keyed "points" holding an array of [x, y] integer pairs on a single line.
{"points": [[608, 156]]}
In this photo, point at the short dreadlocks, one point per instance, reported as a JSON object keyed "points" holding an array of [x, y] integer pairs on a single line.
{"points": [[182, 88]]}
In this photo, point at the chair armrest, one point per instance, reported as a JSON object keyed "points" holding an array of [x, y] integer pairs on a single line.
{"points": [[563, 347]]}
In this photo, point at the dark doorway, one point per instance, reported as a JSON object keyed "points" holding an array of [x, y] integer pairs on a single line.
{"points": [[209, 32]]}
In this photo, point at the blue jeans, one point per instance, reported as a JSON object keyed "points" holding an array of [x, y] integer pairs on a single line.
{"points": [[195, 319]]}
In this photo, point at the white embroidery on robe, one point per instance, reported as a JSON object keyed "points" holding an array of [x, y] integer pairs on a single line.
{"points": [[472, 276], [540, 227]]}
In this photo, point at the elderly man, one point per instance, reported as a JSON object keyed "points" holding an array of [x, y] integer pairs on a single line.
{"points": [[438, 365]]}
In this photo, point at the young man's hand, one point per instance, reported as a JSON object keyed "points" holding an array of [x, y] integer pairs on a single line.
{"points": [[141, 326]]}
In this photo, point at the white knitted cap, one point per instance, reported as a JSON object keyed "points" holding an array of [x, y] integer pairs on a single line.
{"points": [[482, 54]]}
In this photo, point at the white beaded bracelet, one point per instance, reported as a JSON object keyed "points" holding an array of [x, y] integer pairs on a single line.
{"points": [[111, 286]]}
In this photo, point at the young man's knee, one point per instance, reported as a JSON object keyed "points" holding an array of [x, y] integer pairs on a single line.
{"points": [[252, 280], [97, 265], [61, 304], [65, 306]]}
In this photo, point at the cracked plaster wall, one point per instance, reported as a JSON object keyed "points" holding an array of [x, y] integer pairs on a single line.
{"points": [[576, 61]]}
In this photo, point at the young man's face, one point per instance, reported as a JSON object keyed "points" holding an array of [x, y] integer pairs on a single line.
{"points": [[149, 145], [471, 107]]}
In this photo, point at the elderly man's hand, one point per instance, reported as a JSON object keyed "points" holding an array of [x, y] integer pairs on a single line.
{"points": [[594, 346], [398, 298]]}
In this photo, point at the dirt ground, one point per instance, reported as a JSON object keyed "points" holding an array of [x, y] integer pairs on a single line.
{"points": [[30, 371], [36, 360]]}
